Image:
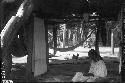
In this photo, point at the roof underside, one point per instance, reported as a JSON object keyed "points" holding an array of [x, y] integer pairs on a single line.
{"points": [[108, 9]]}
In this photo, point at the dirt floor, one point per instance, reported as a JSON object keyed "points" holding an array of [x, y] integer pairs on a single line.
{"points": [[64, 72]]}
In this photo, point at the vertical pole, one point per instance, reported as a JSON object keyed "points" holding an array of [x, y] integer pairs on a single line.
{"points": [[123, 42], [55, 38], [1, 14], [47, 45], [107, 30], [64, 35], [81, 30], [73, 39], [29, 43], [39, 47], [120, 48], [97, 37], [67, 37], [112, 42], [77, 35]]}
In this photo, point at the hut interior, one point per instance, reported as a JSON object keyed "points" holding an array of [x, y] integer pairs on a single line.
{"points": [[41, 31]]}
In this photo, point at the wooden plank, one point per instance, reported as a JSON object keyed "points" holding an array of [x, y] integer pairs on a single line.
{"points": [[40, 65]]}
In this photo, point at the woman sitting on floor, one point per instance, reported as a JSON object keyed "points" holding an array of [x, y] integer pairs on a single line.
{"points": [[97, 69]]}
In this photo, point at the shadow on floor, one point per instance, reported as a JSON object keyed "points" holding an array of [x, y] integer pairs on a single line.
{"points": [[65, 72]]}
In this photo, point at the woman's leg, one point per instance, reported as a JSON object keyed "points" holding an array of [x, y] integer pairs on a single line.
{"points": [[91, 79], [79, 77]]}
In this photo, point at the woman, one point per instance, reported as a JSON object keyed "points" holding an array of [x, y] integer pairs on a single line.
{"points": [[97, 69]]}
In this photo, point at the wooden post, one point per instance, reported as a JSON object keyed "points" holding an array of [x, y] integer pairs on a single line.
{"points": [[77, 36], [2, 14], [107, 30], [39, 60], [123, 43], [55, 38], [64, 35], [73, 39], [69, 37], [81, 31], [112, 42], [97, 37], [28, 33], [120, 46], [46, 39], [120, 57]]}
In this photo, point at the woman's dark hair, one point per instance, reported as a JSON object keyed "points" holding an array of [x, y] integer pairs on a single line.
{"points": [[94, 55]]}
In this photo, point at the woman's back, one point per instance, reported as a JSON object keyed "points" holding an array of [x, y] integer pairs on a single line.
{"points": [[98, 68]]}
